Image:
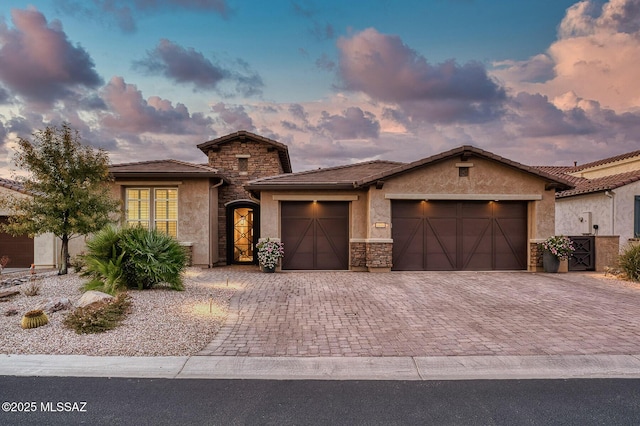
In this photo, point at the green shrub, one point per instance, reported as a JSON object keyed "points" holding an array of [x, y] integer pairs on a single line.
{"points": [[629, 262], [152, 257], [98, 317], [133, 257]]}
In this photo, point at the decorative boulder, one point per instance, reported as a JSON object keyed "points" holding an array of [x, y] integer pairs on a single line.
{"points": [[54, 305], [93, 296]]}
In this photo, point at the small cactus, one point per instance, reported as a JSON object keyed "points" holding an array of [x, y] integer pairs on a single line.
{"points": [[33, 319]]}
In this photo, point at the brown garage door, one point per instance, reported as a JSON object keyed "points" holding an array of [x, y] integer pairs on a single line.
{"points": [[19, 249], [315, 235], [459, 235]]}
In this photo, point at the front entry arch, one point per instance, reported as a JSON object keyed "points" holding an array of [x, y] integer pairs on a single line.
{"points": [[243, 223]]}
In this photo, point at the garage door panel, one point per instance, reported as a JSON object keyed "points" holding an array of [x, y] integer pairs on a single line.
{"points": [[460, 235], [440, 250], [19, 249], [315, 235]]}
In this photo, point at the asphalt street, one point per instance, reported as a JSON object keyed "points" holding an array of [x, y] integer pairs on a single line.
{"points": [[126, 401]]}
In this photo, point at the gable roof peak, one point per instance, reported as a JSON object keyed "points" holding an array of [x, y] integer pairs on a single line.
{"points": [[244, 135]]}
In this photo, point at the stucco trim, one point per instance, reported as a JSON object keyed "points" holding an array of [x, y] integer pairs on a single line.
{"points": [[311, 197], [473, 197], [148, 182]]}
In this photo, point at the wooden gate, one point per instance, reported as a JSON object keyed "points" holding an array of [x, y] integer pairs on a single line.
{"points": [[584, 256]]}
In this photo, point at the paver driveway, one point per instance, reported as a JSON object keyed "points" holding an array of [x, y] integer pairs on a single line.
{"points": [[427, 314]]}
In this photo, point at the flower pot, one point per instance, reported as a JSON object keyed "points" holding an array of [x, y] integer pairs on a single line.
{"points": [[550, 262], [268, 269]]}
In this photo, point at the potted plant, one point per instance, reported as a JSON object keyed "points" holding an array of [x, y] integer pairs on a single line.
{"points": [[269, 253], [555, 249]]}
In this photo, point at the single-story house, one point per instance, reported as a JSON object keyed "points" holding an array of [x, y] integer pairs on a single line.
{"points": [[464, 209]]}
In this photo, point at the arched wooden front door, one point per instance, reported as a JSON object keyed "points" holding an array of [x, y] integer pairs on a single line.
{"points": [[243, 221]]}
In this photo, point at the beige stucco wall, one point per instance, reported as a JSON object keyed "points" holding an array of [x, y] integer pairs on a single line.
{"points": [[487, 179], [194, 214], [613, 213], [270, 226]]}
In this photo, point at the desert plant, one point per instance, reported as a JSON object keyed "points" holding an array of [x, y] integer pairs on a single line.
{"points": [[133, 257], [33, 319], [98, 317], [31, 289], [629, 262], [152, 257]]}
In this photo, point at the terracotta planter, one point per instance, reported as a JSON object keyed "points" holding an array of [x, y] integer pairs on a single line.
{"points": [[550, 262]]}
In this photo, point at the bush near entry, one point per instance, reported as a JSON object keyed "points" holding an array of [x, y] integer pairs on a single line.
{"points": [[135, 257]]}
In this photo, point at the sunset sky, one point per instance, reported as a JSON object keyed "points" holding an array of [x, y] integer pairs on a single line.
{"points": [[541, 82]]}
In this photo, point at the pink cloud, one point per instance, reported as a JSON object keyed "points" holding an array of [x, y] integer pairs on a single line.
{"points": [[130, 112], [39, 63]]}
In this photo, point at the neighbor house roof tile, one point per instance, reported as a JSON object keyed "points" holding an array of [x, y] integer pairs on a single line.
{"points": [[606, 183]]}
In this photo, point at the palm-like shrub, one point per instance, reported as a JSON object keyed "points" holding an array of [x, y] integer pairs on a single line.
{"points": [[134, 258], [629, 262], [152, 257]]}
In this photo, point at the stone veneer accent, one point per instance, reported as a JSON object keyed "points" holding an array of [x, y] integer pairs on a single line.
{"points": [[358, 255], [535, 259], [262, 161], [379, 255]]}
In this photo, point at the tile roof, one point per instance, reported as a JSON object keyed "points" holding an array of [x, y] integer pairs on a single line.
{"points": [[465, 150], [13, 185], [606, 183], [344, 177], [283, 150], [587, 186], [364, 174], [606, 161], [162, 168]]}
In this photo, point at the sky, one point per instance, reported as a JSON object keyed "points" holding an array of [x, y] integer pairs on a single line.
{"points": [[540, 82]]}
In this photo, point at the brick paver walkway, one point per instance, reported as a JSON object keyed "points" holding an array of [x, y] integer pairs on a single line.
{"points": [[427, 314]]}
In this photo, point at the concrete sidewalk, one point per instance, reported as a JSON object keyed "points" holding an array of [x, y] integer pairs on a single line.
{"points": [[327, 368]]}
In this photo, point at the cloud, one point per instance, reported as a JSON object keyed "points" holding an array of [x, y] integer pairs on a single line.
{"points": [[39, 63], [233, 118], [353, 123], [186, 65], [386, 69], [123, 13], [130, 112], [596, 56]]}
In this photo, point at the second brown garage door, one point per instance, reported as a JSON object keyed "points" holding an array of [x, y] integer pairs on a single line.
{"points": [[459, 235], [19, 249], [315, 235]]}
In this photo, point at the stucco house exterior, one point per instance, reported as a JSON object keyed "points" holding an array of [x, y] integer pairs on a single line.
{"points": [[464, 209], [605, 200]]}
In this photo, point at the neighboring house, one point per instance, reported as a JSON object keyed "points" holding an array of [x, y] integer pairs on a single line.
{"points": [[24, 250], [464, 209], [605, 200]]}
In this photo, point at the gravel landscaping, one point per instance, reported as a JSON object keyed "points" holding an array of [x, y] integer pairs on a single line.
{"points": [[161, 322]]}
